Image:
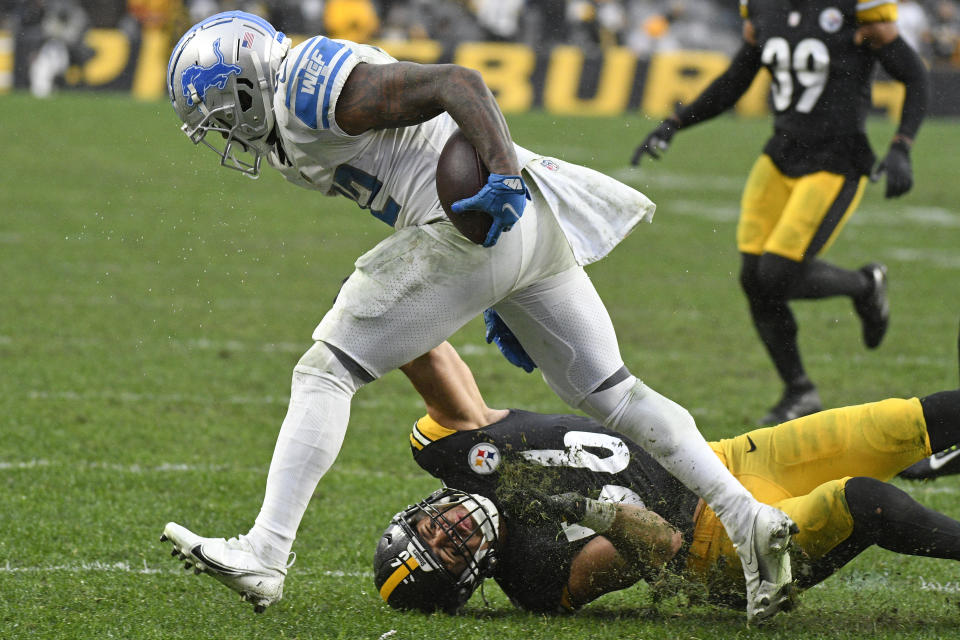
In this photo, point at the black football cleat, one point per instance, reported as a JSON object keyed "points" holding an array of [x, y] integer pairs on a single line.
{"points": [[874, 308], [942, 463], [794, 404]]}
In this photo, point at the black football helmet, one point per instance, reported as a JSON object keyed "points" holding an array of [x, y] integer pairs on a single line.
{"points": [[410, 575]]}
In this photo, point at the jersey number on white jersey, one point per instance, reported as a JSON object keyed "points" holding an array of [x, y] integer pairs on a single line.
{"points": [[363, 188]]}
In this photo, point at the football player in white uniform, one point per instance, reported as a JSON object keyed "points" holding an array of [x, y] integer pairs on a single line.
{"points": [[347, 119]]}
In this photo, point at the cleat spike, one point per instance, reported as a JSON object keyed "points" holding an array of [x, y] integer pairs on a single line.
{"points": [[232, 562], [163, 537], [259, 608]]}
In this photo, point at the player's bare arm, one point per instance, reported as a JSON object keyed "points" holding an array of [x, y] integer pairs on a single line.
{"points": [[749, 33], [449, 390], [638, 543], [402, 94]]}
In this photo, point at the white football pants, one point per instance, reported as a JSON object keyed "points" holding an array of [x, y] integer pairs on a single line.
{"points": [[422, 284]]}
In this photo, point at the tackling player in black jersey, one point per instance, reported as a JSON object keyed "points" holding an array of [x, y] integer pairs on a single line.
{"points": [[601, 514], [821, 56]]}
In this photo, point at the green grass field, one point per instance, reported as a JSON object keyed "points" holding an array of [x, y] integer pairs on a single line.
{"points": [[152, 306]]}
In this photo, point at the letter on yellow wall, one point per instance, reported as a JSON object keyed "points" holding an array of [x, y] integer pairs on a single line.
{"points": [[506, 69], [613, 87], [111, 52], [422, 51], [679, 77]]}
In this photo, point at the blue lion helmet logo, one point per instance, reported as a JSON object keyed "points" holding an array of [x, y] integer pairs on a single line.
{"points": [[202, 78]]}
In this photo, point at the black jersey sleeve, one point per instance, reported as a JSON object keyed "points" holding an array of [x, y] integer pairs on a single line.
{"points": [[900, 60], [723, 92], [534, 567]]}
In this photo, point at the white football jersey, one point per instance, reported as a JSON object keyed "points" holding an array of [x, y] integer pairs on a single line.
{"points": [[392, 172]]}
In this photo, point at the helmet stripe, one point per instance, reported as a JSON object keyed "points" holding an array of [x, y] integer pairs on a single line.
{"points": [[397, 577]]}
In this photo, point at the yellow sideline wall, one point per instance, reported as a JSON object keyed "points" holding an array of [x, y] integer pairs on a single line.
{"points": [[562, 81]]}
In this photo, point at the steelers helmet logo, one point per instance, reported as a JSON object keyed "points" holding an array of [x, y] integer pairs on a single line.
{"points": [[484, 458], [831, 19]]}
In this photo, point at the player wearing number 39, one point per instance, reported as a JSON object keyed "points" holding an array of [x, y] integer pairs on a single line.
{"points": [[347, 119], [821, 56]]}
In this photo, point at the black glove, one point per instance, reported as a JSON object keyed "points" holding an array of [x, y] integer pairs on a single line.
{"points": [[896, 165], [657, 141], [535, 505], [570, 506]]}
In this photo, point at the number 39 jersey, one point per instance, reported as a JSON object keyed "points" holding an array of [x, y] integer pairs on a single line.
{"points": [[582, 455], [820, 80]]}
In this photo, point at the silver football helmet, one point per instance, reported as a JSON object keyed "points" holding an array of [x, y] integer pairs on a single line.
{"points": [[436, 553], [221, 78]]}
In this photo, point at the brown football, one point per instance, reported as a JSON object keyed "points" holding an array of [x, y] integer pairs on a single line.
{"points": [[461, 174]]}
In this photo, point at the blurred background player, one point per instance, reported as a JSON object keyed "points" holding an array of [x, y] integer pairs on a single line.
{"points": [[564, 510], [347, 119], [813, 171]]}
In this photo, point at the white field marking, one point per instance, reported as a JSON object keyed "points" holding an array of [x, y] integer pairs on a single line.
{"points": [[172, 467], [899, 360], [640, 179], [859, 580], [163, 467], [941, 258], [125, 567], [869, 216], [204, 344], [944, 587], [172, 398], [702, 209], [367, 402]]}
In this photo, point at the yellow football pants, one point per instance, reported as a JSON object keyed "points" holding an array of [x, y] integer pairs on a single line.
{"points": [[801, 467]]}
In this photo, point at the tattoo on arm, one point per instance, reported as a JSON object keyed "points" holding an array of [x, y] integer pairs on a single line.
{"points": [[404, 94]]}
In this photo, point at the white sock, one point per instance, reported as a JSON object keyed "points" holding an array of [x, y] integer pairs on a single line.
{"points": [[309, 441], [668, 432]]}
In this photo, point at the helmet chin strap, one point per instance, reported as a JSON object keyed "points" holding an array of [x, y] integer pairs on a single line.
{"points": [[266, 93]]}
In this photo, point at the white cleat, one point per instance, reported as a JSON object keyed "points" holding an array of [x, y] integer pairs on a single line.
{"points": [[766, 564], [232, 562]]}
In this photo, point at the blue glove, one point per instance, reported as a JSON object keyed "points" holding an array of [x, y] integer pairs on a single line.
{"points": [[503, 197], [510, 347]]}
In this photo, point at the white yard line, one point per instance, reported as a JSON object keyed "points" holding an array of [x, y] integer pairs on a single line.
{"points": [[125, 567], [176, 467], [855, 581], [168, 398]]}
